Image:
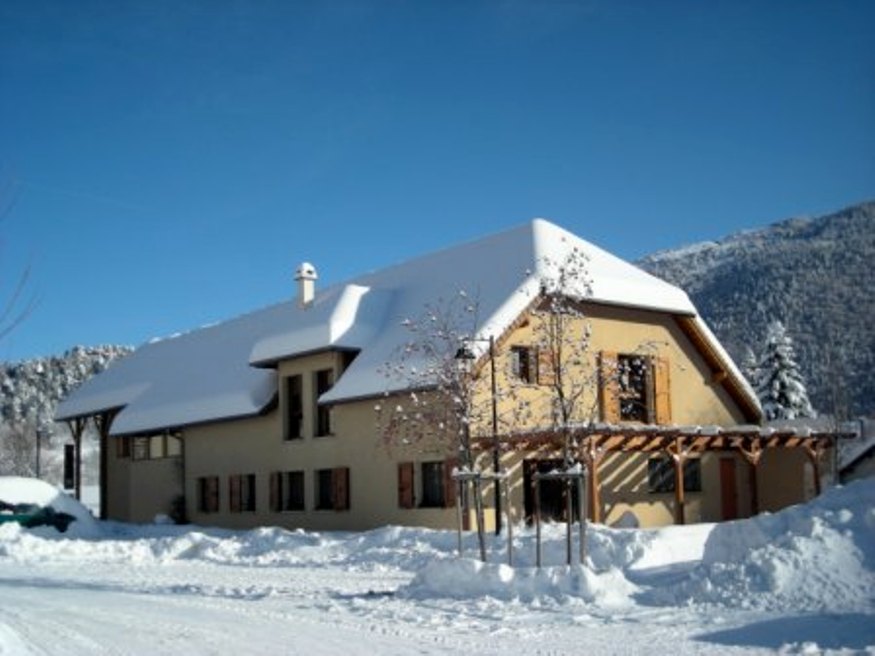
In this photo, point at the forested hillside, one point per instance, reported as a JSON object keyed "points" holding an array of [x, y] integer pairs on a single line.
{"points": [[814, 275]]}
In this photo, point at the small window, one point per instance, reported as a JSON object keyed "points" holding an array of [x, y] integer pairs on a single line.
{"points": [[123, 447], [291, 490], [332, 489], [174, 446], [157, 447], [208, 494], [432, 485], [140, 449], [241, 488], [523, 363], [324, 379], [294, 408], [635, 388], [660, 475]]}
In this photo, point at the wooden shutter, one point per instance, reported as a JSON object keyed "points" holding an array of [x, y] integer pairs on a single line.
{"points": [[275, 491], [609, 387], [405, 485], [449, 482], [546, 374], [340, 488], [661, 391], [234, 493]]}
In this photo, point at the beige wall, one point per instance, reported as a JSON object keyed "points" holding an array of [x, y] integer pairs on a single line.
{"points": [[257, 446], [141, 489]]}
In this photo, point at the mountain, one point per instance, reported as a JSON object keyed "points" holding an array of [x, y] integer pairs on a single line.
{"points": [[816, 275], [32, 388]]}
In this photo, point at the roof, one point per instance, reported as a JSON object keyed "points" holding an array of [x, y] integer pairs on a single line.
{"points": [[223, 371]]}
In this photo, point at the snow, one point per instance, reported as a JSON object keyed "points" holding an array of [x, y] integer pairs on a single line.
{"points": [[15, 490], [222, 371], [798, 581]]}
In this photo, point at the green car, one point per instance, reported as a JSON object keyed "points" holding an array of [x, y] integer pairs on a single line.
{"points": [[31, 515]]}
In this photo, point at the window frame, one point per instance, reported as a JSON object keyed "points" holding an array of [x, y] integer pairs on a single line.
{"points": [[524, 363], [293, 427], [661, 475], [208, 494], [323, 380]]}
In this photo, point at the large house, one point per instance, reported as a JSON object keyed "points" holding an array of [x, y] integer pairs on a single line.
{"points": [[271, 418]]}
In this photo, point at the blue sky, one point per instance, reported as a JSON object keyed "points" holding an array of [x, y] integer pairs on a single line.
{"points": [[167, 164]]}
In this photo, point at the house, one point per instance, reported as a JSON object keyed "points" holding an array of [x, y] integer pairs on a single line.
{"points": [[269, 418], [856, 458]]}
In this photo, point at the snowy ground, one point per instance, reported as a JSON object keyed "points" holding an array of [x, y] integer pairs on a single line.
{"points": [[800, 581]]}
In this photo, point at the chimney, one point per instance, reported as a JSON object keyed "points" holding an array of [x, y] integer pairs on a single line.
{"points": [[306, 277]]}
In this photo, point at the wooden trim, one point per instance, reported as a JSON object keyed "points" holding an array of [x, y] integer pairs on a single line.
{"points": [[340, 488], [609, 388], [406, 496]]}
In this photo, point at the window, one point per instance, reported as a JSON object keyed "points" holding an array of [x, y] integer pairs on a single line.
{"points": [[432, 484], [323, 381], [140, 450], [660, 475], [208, 494], [523, 363], [287, 491], [123, 447], [437, 489], [294, 408], [635, 385], [151, 447], [241, 490], [332, 489]]}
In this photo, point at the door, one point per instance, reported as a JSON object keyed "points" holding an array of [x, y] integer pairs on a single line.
{"points": [[728, 490], [552, 492]]}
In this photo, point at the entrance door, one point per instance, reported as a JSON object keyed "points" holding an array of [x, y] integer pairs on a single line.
{"points": [[728, 491], [552, 492]]}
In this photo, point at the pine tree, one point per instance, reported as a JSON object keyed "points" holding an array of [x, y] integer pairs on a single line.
{"points": [[780, 387], [750, 366]]}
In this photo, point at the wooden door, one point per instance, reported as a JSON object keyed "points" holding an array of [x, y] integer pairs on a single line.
{"points": [[728, 490]]}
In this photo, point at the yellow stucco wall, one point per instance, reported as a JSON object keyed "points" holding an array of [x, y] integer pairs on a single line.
{"points": [[257, 446]]}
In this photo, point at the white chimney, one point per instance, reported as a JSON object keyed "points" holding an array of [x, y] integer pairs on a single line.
{"points": [[306, 277]]}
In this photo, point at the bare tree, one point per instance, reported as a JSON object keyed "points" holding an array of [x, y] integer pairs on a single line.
{"points": [[17, 301]]}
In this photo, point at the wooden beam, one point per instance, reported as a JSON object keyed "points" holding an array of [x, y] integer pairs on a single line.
{"points": [[77, 428], [679, 457]]}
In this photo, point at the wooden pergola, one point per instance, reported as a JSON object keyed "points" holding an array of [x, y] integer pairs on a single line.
{"points": [[102, 422], [594, 442]]}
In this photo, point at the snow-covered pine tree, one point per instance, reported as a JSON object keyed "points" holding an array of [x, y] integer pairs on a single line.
{"points": [[780, 387], [750, 366]]}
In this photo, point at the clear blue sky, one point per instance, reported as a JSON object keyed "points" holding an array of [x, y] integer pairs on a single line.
{"points": [[171, 162]]}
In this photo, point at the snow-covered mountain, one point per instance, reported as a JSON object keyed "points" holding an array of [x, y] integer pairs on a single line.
{"points": [[30, 389], [816, 275]]}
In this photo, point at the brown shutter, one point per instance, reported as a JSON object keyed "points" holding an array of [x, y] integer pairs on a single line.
{"points": [[546, 374], [340, 488], [450, 483], [234, 493], [275, 490], [213, 494], [405, 485], [609, 387], [662, 390]]}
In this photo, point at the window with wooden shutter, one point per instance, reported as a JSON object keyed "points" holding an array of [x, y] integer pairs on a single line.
{"points": [[208, 494], [661, 391], [609, 391], [406, 498], [340, 485], [449, 482]]}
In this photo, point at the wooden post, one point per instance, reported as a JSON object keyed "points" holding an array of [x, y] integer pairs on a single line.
{"points": [[592, 456], [752, 455], [569, 518], [103, 422], [814, 453], [581, 517], [77, 427], [679, 456], [536, 483]]}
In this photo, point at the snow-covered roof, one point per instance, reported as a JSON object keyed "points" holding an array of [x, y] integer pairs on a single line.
{"points": [[221, 371]]}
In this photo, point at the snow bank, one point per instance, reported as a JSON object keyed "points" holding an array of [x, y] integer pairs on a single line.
{"points": [[465, 578], [807, 557], [15, 490]]}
